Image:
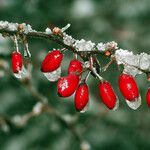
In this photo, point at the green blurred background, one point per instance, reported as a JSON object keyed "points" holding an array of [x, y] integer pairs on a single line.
{"points": [[124, 21]]}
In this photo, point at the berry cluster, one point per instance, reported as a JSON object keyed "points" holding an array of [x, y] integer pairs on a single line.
{"points": [[73, 82]]}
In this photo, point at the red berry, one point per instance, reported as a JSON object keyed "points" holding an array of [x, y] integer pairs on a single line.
{"points": [[81, 96], [107, 94], [67, 85], [148, 97], [75, 67], [128, 87], [16, 60], [52, 61]]}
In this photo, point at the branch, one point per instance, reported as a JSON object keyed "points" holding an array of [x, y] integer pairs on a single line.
{"points": [[85, 49]]}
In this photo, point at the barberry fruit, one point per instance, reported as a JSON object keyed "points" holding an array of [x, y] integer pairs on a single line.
{"points": [[52, 61], [128, 87], [148, 97], [107, 94], [16, 60], [81, 97], [129, 90], [67, 85], [75, 67]]}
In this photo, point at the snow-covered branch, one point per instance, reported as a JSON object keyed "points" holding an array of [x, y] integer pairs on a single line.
{"points": [[133, 64]]}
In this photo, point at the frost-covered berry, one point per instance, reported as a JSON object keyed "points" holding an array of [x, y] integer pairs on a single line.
{"points": [[16, 60], [67, 85], [107, 94], [148, 97], [75, 67], [129, 90], [52, 61], [81, 97]]}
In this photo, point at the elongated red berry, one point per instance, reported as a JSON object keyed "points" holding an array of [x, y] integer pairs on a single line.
{"points": [[67, 85], [52, 61], [148, 97], [81, 97], [75, 67], [16, 60], [107, 94], [128, 87]]}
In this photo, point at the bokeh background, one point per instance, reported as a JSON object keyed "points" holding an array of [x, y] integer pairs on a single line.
{"points": [[124, 21]]}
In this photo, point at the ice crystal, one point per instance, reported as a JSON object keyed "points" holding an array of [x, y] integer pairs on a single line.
{"points": [[101, 47], [134, 104], [82, 45], [144, 61], [66, 27], [12, 26], [3, 24], [68, 40], [27, 28], [111, 45], [133, 63], [131, 70], [107, 46], [85, 108], [48, 31], [117, 105], [22, 74], [54, 75]]}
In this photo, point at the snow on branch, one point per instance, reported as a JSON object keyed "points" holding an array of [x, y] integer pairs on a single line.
{"points": [[133, 64]]}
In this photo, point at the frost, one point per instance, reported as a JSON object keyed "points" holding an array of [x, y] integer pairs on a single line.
{"points": [[66, 27], [54, 75], [145, 61], [133, 63], [64, 84], [48, 31], [101, 47], [131, 70], [22, 74], [19, 120], [82, 45], [3, 24], [27, 28], [124, 56], [12, 26], [117, 105], [26, 50], [68, 40], [85, 108], [37, 109], [134, 104], [109, 45], [86, 64], [9, 26]]}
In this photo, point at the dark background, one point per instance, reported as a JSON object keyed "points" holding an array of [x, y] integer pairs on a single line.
{"points": [[124, 21]]}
